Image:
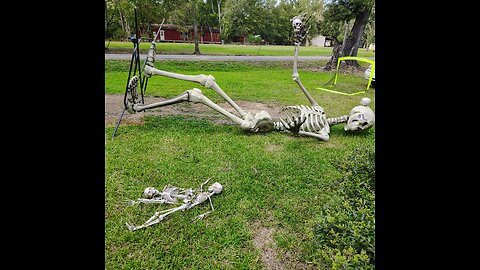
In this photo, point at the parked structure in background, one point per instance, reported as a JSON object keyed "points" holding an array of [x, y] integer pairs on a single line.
{"points": [[171, 33], [319, 41]]}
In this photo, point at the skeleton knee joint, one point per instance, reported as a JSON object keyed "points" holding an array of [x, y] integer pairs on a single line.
{"points": [[195, 95], [209, 81], [147, 71]]}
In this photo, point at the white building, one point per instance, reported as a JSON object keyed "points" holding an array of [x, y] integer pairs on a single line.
{"points": [[319, 41]]}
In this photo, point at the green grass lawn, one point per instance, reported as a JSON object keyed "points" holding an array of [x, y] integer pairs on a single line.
{"points": [[228, 49], [272, 180]]}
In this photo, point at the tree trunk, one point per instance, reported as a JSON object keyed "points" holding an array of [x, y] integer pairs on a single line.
{"points": [[122, 19], [353, 40], [219, 20], [127, 27], [332, 63], [195, 28], [211, 33], [347, 24], [106, 23]]}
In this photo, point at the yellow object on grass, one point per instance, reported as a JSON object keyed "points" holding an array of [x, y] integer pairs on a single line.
{"points": [[372, 71]]}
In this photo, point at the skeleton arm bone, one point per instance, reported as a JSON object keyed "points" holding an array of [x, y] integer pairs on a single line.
{"points": [[296, 77], [323, 137]]}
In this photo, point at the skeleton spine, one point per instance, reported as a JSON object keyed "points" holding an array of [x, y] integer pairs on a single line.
{"points": [[337, 120]]}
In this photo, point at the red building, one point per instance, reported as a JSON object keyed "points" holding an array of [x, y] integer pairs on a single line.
{"points": [[171, 33]]}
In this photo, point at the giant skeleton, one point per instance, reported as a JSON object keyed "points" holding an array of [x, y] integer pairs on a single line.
{"points": [[303, 120]]}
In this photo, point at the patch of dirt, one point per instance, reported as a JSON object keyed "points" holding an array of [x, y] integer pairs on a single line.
{"points": [[263, 240], [114, 107], [274, 147]]}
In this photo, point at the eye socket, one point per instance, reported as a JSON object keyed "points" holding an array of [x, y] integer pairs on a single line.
{"points": [[364, 123]]}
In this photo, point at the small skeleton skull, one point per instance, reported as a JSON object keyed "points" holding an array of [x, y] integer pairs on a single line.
{"points": [[216, 188], [150, 192], [297, 24], [361, 117]]}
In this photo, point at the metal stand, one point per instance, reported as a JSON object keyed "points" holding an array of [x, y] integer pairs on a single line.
{"points": [[134, 64]]}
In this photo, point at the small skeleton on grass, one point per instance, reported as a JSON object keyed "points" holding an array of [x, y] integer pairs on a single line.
{"points": [[174, 195], [302, 120]]}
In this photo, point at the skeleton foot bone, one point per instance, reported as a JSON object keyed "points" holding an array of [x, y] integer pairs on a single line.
{"points": [[132, 94]]}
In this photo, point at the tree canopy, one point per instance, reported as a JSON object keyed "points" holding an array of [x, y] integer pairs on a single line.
{"points": [[269, 20]]}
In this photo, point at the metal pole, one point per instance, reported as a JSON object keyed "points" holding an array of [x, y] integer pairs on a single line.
{"points": [[118, 123], [138, 57]]}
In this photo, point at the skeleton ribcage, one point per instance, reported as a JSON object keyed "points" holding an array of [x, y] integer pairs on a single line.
{"points": [[312, 119]]}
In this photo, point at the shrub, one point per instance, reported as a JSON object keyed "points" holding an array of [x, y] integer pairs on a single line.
{"points": [[345, 227], [254, 39]]}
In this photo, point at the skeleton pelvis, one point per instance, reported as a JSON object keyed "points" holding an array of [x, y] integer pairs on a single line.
{"points": [[262, 122]]}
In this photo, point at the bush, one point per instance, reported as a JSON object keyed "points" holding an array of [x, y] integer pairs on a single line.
{"points": [[254, 39], [345, 227]]}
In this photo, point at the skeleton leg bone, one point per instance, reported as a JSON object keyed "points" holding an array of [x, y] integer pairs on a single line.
{"points": [[207, 81], [156, 218], [261, 121]]}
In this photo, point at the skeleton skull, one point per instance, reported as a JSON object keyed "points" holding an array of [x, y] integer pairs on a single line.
{"points": [[216, 187], [150, 192], [297, 24], [361, 117]]}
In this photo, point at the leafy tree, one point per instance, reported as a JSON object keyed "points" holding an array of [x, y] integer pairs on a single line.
{"points": [[184, 14], [207, 17], [338, 12], [369, 36], [314, 9]]}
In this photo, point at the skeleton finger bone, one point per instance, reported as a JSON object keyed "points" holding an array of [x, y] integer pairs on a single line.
{"points": [[202, 216]]}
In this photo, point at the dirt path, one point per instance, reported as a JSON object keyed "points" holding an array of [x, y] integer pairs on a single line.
{"points": [[114, 107]]}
